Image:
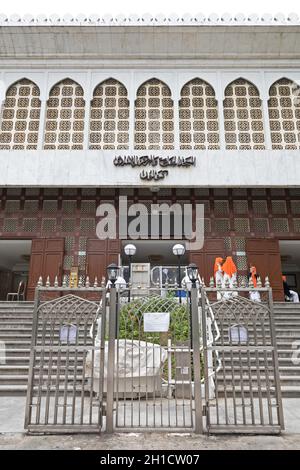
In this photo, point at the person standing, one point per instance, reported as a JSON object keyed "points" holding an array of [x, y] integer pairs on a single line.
{"points": [[218, 271], [230, 276], [253, 295], [288, 293]]}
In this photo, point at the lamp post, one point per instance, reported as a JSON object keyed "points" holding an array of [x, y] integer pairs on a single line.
{"points": [[179, 250], [130, 251], [192, 272], [112, 273]]}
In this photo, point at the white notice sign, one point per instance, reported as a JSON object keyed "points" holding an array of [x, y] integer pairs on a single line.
{"points": [[68, 334], [156, 321], [238, 334]]}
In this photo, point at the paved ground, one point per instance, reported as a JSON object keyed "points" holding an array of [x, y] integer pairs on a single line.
{"points": [[12, 435]]}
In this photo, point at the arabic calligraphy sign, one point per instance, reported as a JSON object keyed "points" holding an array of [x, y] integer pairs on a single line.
{"points": [[154, 161]]}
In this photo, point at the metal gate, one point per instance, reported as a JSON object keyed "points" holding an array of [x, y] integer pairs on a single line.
{"points": [[146, 359], [242, 384], [61, 390], [154, 350]]}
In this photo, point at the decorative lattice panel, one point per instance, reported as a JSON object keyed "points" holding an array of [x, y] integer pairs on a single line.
{"points": [[88, 207], [10, 225], [20, 117], [49, 206], [69, 207], [284, 114], [12, 206], [222, 225], [228, 244], [48, 225], [240, 207], [295, 192], [279, 207], [69, 244], [87, 226], [68, 225], [68, 261], [221, 208], [243, 119], [31, 207], [109, 122], [241, 225], [295, 207], [30, 225], [240, 244], [279, 225], [207, 225], [64, 128], [261, 225], [260, 207], [154, 126], [241, 262], [198, 116], [82, 243], [296, 225]]}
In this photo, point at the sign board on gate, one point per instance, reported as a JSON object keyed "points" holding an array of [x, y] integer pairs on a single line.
{"points": [[156, 321], [68, 334], [238, 334]]}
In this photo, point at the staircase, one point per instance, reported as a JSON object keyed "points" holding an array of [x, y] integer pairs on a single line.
{"points": [[287, 327], [15, 331]]}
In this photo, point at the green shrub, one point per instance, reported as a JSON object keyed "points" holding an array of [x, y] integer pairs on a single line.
{"points": [[131, 318]]}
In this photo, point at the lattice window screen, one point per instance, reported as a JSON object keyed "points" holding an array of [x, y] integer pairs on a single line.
{"points": [[20, 117], [64, 128], [284, 114], [243, 119], [109, 123], [198, 116], [154, 114]]}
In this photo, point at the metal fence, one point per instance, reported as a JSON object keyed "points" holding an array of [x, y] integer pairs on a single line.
{"points": [[202, 360], [60, 396], [241, 363]]}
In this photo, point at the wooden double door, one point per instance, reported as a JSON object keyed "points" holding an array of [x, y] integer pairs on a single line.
{"points": [[264, 254], [101, 253], [46, 259]]}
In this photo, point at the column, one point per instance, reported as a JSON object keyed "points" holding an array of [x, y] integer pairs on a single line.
{"points": [[40, 143], [88, 96], [265, 111], [220, 98]]}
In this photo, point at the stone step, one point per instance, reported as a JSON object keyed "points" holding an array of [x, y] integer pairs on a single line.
{"points": [[287, 391]]}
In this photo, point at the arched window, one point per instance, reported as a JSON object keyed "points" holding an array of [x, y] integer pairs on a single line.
{"points": [[20, 116], [109, 123], [64, 127], [284, 114], [198, 116], [243, 118], [154, 126]]}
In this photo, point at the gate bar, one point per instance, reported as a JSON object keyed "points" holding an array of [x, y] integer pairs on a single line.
{"points": [[196, 360], [111, 361]]}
